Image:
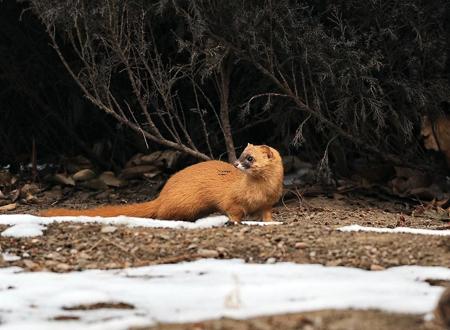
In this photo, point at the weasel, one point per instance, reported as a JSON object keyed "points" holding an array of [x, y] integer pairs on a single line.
{"points": [[251, 186]]}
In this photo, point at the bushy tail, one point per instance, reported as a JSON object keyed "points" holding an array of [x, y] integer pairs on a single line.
{"points": [[140, 210]]}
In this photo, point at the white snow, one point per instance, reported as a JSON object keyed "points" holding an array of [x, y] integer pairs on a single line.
{"points": [[403, 230], [10, 257], [207, 289], [26, 225], [24, 230]]}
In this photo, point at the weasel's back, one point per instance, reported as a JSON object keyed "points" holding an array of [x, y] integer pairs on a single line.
{"points": [[197, 190]]}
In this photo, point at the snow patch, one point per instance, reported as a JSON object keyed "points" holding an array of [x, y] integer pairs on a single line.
{"points": [[26, 225], [402, 230], [207, 289], [10, 257], [24, 230]]}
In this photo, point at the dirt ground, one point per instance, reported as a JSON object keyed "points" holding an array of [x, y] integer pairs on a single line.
{"points": [[308, 235]]}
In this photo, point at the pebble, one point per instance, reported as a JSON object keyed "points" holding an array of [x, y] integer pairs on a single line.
{"points": [[64, 180], [334, 263], [108, 229], [271, 260], [376, 267], [30, 264], [84, 175], [301, 245], [8, 207], [205, 253]]}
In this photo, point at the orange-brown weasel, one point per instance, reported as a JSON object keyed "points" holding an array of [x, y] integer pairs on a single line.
{"points": [[250, 187]]}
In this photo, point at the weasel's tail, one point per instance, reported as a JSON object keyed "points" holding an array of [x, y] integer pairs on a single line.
{"points": [[140, 210]]}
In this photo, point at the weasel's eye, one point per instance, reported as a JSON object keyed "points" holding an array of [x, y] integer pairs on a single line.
{"points": [[250, 158]]}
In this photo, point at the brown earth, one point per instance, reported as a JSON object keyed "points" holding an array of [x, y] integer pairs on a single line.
{"points": [[308, 235]]}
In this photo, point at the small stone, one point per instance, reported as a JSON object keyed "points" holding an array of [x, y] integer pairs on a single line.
{"points": [[95, 184], [205, 253], [25, 255], [334, 263], [244, 230], [271, 260], [30, 264], [8, 207], [73, 251], [111, 180], [108, 229], [221, 249], [53, 255], [442, 310], [103, 195], [77, 163], [84, 175], [63, 180], [140, 171], [312, 254], [376, 267], [165, 237], [192, 246], [62, 267], [31, 199], [29, 188], [301, 245], [134, 161], [110, 265]]}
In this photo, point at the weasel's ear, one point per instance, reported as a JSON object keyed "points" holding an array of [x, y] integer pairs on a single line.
{"points": [[249, 145], [267, 151]]}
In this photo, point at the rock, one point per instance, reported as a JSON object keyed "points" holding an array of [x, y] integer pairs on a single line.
{"points": [[301, 245], [78, 163], [62, 267], [95, 184], [8, 207], [334, 263], [30, 264], [108, 229], [271, 260], [140, 171], [63, 180], [84, 175], [442, 310], [29, 189], [134, 161], [6, 178], [31, 199], [153, 159], [103, 195], [164, 237], [376, 267], [111, 180], [162, 159], [205, 253]]}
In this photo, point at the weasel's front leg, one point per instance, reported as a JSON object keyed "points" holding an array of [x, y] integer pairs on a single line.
{"points": [[235, 215], [267, 214]]}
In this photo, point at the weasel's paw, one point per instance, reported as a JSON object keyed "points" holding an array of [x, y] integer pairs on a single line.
{"points": [[231, 223]]}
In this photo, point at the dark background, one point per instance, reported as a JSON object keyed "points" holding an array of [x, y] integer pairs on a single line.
{"points": [[371, 68]]}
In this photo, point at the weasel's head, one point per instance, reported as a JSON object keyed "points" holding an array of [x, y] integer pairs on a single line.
{"points": [[258, 160]]}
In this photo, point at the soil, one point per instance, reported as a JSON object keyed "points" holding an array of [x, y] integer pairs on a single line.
{"points": [[308, 235]]}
